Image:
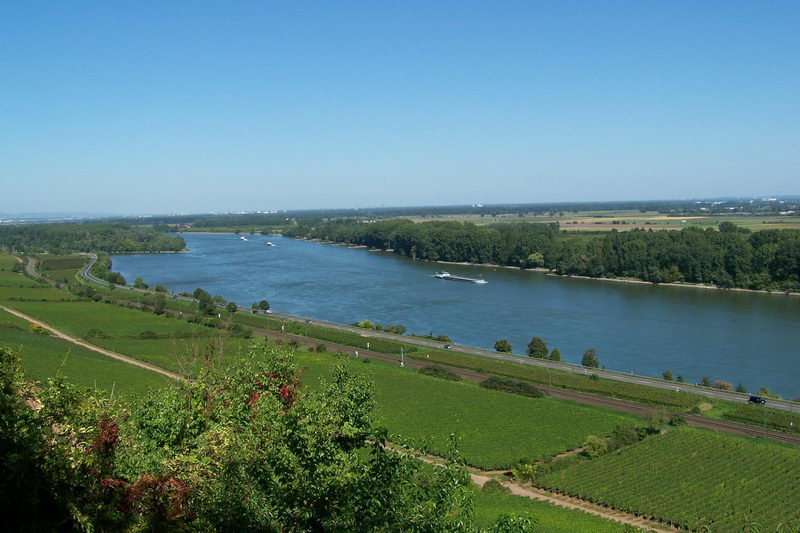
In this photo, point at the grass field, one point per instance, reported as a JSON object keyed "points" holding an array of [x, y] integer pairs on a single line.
{"points": [[43, 356], [77, 318], [694, 478], [61, 267], [496, 428]]}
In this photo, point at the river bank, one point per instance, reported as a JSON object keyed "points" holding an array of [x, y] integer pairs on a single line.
{"points": [[549, 272]]}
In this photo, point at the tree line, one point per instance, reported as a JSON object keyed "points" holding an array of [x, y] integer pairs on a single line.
{"points": [[729, 256], [105, 237]]}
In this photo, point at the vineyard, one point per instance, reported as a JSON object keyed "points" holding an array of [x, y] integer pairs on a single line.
{"points": [[693, 479], [775, 419]]}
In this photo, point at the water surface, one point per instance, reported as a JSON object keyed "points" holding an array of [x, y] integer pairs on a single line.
{"points": [[646, 329]]}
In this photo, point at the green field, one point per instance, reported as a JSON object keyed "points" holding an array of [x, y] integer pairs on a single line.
{"points": [[180, 354], [680, 401], [775, 418], [43, 356], [61, 267], [496, 428], [550, 518], [694, 478], [77, 318]]}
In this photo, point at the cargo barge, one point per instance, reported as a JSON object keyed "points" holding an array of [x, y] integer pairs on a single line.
{"points": [[447, 275]]}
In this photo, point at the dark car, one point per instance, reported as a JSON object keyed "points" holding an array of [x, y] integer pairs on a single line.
{"points": [[448, 346], [757, 399]]}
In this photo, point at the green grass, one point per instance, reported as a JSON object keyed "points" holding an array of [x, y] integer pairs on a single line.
{"points": [[180, 354], [693, 478], [49, 263], [496, 428], [37, 292], [14, 279], [44, 357], [550, 518], [77, 318]]}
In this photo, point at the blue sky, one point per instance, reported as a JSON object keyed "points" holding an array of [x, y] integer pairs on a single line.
{"points": [[154, 107]]}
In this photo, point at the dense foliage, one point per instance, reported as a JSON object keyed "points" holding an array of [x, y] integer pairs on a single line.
{"points": [[240, 450], [730, 257], [693, 479], [511, 385], [107, 237]]}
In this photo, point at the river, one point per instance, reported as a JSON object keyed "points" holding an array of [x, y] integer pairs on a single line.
{"points": [[646, 329]]}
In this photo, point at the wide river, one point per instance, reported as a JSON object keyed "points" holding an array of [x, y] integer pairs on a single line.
{"points": [[646, 329]]}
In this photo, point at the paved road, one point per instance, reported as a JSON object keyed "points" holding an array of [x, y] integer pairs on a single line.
{"points": [[566, 367]]}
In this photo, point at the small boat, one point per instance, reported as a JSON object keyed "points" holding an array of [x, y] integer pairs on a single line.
{"points": [[448, 276], [269, 243], [242, 238]]}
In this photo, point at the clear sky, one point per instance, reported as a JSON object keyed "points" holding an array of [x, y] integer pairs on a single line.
{"points": [[156, 107]]}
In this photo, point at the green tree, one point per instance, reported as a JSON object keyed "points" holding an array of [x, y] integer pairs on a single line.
{"points": [[595, 446], [741, 388], [705, 382], [680, 379], [555, 355], [667, 375], [139, 283], [537, 348], [231, 307], [502, 345], [589, 358], [263, 305]]}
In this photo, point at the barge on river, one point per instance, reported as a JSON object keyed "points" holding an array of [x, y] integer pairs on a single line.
{"points": [[447, 275]]}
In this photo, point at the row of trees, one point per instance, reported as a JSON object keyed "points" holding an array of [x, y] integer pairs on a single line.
{"points": [[727, 257], [537, 348], [106, 237]]}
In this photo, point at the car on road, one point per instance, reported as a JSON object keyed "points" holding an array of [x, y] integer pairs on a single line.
{"points": [[757, 399], [448, 346]]}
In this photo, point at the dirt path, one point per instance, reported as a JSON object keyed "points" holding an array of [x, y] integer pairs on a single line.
{"points": [[575, 504], [101, 351]]}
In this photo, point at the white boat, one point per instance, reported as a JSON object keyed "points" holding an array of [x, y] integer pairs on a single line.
{"points": [[269, 243], [242, 238], [448, 276]]}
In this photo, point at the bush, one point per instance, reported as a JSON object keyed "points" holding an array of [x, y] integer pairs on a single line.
{"points": [[439, 372], [513, 386], [595, 446], [495, 487], [96, 333], [502, 345], [321, 348], [38, 330], [148, 334]]}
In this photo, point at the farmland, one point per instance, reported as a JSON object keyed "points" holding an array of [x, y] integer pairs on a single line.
{"points": [[495, 428], [693, 478], [44, 356]]}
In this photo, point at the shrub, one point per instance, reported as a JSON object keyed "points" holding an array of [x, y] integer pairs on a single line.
{"points": [[495, 487], [439, 372], [502, 345], [148, 334], [321, 348], [512, 386], [96, 333], [595, 446], [38, 330]]}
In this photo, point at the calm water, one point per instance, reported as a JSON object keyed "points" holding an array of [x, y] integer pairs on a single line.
{"points": [[736, 337]]}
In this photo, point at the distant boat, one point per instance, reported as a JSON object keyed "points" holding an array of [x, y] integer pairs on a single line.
{"points": [[269, 243], [242, 238], [448, 276]]}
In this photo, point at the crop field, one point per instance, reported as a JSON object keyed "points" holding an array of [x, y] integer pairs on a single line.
{"points": [[625, 220], [694, 478], [61, 267], [43, 356], [180, 355], [776, 418], [679, 401], [550, 518], [496, 428], [77, 318]]}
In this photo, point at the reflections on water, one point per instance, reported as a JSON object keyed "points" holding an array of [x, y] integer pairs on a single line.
{"points": [[646, 329]]}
